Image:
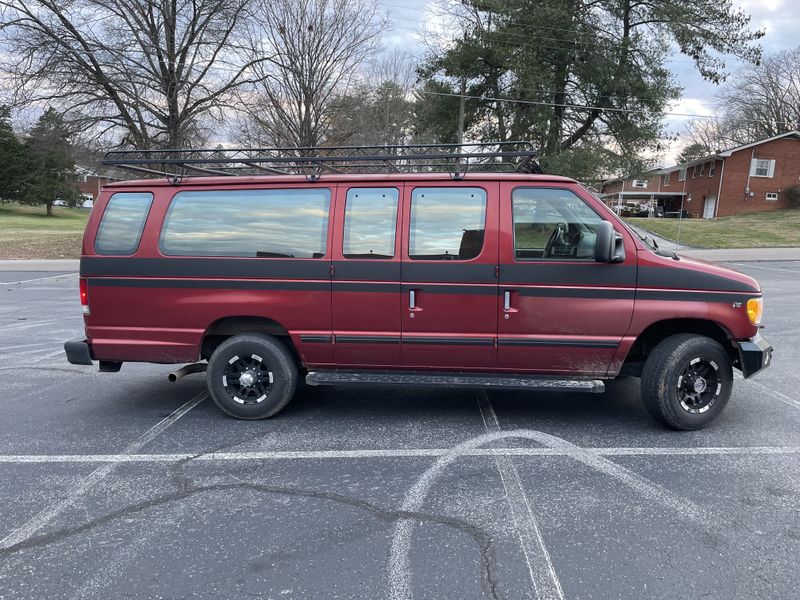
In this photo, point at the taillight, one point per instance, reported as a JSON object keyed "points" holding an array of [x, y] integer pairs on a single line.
{"points": [[84, 287]]}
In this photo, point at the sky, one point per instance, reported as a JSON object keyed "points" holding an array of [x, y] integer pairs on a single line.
{"points": [[779, 18]]}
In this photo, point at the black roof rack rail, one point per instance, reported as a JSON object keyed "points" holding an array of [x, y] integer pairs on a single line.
{"points": [[457, 159]]}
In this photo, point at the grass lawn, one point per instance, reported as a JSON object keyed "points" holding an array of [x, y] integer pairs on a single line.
{"points": [[774, 229], [27, 232]]}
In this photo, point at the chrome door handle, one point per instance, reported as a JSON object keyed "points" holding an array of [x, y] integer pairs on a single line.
{"points": [[412, 299], [507, 301]]}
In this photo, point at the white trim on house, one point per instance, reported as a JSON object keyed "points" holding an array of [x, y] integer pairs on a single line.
{"points": [[726, 153]]}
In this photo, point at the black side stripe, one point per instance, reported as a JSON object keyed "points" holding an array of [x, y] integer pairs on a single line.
{"points": [[367, 339], [445, 272], [449, 341], [316, 339], [590, 273], [678, 278], [546, 292], [448, 272], [469, 289], [560, 343], [216, 284], [687, 296], [266, 268], [357, 286]]}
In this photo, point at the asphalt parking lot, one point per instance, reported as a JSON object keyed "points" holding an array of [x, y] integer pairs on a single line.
{"points": [[127, 486]]}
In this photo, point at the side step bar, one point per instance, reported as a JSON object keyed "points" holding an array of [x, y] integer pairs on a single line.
{"points": [[467, 380]]}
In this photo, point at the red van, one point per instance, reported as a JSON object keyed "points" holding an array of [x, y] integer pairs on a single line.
{"points": [[446, 278]]}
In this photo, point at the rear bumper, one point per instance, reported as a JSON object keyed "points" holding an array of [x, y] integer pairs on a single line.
{"points": [[755, 355], [78, 352]]}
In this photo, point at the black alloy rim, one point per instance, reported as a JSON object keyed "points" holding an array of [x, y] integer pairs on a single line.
{"points": [[247, 379], [699, 385]]}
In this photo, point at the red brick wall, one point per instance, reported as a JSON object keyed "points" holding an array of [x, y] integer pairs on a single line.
{"points": [[92, 185], [616, 186], [612, 188], [734, 199], [698, 187]]}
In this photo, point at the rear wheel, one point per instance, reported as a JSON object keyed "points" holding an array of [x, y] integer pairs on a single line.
{"points": [[687, 381], [251, 376]]}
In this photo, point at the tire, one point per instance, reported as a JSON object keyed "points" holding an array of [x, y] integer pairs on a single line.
{"points": [[262, 359], [687, 381]]}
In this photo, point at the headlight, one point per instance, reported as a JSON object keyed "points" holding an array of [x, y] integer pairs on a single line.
{"points": [[755, 308]]}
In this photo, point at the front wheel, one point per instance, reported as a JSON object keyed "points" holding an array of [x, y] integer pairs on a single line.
{"points": [[687, 381], [251, 376]]}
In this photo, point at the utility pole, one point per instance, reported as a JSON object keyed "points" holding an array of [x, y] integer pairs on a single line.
{"points": [[462, 99]]}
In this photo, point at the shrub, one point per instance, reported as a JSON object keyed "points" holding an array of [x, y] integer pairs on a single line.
{"points": [[792, 194]]}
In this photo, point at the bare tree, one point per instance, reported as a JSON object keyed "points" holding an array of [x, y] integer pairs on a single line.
{"points": [[762, 100], [380, 109], [314, 50], [145, 73]]}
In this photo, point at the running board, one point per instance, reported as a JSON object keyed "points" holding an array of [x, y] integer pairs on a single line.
{"points": [[467, 380]]}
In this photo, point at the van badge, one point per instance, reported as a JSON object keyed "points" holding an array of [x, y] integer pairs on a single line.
{"points": [[737, 305]]}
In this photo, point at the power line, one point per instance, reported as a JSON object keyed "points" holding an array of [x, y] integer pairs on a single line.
{"points": [[588, 107]]}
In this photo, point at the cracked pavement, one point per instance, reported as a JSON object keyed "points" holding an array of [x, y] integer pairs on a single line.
{"points": [[253, 520]]}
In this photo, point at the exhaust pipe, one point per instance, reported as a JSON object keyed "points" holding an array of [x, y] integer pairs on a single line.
{"points": [[187, 370]]}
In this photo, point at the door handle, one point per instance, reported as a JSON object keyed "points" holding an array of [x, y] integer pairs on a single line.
{"points": [[507, 301], [412, 299]]}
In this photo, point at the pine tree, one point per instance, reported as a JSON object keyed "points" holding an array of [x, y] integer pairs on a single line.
{"points": [[11, 159], [49, 164]]}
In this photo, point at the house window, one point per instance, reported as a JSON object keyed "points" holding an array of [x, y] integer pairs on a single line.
{"points": [[702, 168], [640, 183], [694, 171], [772, 196], [682, 174], [711, 167], [762, 168], [666, 179]]}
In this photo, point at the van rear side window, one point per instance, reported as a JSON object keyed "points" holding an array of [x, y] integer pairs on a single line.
{"points": [[122, 223], [251, 223], [447, 223]]}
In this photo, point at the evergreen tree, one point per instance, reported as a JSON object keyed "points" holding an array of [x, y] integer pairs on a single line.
{"points": [[692, 152], [11, 159], [586, 80], [49, 164]]}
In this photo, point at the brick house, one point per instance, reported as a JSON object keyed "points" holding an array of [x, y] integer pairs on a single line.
{"points": [[749, 178], [89, 184]]}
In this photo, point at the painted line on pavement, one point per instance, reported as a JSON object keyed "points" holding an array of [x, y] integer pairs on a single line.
{"points": [[37, 279], [394, 454], [540, 566], [773, 393], [750, 266], [49, 513]]}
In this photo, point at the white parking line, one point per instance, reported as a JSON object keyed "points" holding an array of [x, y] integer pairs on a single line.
{"points": [[49, 355], [774, 393], [394, 454], [37, 279], [540, 566], [751, 266], [49, 513]]}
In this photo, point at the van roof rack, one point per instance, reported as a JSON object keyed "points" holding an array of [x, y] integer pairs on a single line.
{"points": [[457, 159]]}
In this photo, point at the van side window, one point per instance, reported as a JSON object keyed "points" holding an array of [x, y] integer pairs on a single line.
{"points": [[447, 223], [122, 223], [552, 223], [370, 222], [289, 223]]}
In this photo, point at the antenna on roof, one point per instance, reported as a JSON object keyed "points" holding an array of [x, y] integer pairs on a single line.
{"points": [[457, 159]]}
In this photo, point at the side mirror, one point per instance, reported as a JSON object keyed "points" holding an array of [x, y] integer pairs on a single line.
{"points": [[608, 244]]}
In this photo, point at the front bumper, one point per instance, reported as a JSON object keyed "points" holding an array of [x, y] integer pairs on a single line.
{"points": [[755, 355], [78, 352]]}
